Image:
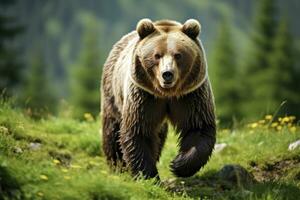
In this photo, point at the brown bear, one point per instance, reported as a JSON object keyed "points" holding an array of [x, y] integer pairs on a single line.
{"points": [[154, 75]]}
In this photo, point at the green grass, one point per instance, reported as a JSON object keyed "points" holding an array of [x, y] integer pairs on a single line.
{"points": [[69, 164]]}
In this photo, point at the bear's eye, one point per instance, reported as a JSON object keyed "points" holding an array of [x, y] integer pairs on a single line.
{"points": [[177, 56], [157, 56]]}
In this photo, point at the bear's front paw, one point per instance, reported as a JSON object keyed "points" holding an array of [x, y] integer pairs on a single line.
{"points": [[184, 166], [150, 171]]}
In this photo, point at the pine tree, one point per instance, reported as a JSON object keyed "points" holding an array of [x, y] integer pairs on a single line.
{"points": [[86, 83], [224, 79], [257, 91], [10, 66], [38, 95], [285, 78]]}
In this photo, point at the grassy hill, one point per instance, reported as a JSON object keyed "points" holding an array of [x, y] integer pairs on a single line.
{"points": [[60, 158]]}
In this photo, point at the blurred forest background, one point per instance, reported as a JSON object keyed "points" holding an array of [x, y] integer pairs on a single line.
{"points": [[52, 52]]}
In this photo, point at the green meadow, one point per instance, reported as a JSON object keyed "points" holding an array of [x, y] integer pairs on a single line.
{"points": [[61, 158]]}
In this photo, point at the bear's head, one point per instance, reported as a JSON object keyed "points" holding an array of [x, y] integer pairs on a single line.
{"points": [[168, 60]]}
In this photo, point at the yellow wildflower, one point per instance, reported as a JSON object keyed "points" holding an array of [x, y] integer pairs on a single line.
{"points": [[285, 120], [262, 121], [93, 163], [292, 118], [268, 117], [274, 124], [115, 177], [67, 177], [40, 194], [254, 125], [76, 166], [55, 161], [293, 129], [88, 117], [279, 128], [64, 170], [226, 130], [44, 177]]}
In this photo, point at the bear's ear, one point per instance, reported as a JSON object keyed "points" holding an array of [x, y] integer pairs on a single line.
{"points": [[145, 27], [191, 28]]}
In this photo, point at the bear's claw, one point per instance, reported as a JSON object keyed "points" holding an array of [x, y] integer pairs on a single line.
{"points": [[181, 166]]}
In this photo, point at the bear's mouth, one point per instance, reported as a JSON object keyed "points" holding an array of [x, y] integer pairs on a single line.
{"points": [[167, 84], [166, 89]]}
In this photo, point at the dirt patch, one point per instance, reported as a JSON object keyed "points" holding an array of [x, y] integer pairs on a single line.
{"points": [[214, 184], [274, 171], [194, 186]]}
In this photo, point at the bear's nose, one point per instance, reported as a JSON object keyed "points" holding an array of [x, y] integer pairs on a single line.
{"points": [[168, 76]]}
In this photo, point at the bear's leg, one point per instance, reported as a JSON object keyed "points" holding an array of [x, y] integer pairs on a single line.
{"points": [[196, 146], [162, 134], [111, 146], [141, 117], [140, 153]]}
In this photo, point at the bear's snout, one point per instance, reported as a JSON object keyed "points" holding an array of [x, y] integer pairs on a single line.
{"points": [[168, 76]]}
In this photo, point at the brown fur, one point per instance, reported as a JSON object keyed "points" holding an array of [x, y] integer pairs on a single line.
{"points": [[135, 107]]}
